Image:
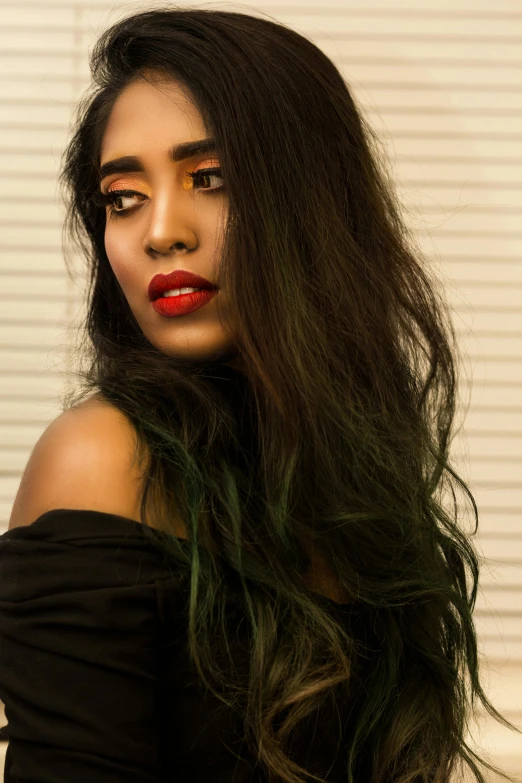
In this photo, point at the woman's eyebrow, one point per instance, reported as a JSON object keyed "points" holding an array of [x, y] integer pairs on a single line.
{"points": [[129, 164]]}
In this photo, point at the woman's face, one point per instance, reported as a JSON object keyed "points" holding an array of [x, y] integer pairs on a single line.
{"points": [[171, 221]]}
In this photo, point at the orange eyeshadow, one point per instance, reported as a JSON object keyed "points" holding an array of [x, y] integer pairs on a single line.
{"points": [[211, 163], [128, 184]]}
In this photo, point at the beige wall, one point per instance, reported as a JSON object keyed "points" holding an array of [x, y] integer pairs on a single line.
{"points": [[442, 82]]}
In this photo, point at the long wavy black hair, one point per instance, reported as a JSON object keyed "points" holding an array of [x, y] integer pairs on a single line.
{"points": [[334, 436]]}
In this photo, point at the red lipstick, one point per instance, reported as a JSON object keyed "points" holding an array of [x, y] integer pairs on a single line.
{"points": [[181, 304]]}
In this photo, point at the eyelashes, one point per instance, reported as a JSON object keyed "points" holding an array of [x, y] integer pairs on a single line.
{"points": [[110, 199]]}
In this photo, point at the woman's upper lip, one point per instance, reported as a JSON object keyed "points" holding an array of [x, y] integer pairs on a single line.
{"points": [[177, 279]]}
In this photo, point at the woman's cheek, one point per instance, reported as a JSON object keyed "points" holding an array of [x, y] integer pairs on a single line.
{"points": [[118, 248]]}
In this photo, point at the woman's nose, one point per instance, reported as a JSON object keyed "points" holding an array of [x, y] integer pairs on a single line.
{"points": [[170, 228]]}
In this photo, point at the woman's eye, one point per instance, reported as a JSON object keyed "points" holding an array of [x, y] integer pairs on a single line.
{"points": [[118, 201], [202, 177], [123, 200]]}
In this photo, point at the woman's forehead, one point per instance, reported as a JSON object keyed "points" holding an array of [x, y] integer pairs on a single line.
{"points": [[144, 115]]}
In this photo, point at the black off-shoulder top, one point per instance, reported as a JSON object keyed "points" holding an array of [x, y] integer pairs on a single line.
{"points": [[94, 675]]}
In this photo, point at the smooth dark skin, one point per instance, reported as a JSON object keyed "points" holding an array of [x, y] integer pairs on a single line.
{"points": [[176, 226]]}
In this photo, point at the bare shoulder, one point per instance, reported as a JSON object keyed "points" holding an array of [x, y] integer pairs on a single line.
{"points": [[96, 401], [83, 460]]}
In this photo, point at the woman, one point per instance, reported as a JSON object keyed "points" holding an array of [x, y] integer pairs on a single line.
{"points": [[252, 466]]}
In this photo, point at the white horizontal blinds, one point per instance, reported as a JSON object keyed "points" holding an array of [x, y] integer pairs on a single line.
{"points": [[36, 98], [442, 83]]}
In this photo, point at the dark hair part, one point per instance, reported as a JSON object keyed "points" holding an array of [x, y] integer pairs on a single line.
{"points": [[335, 436]]}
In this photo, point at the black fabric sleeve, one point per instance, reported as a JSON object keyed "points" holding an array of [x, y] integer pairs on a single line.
{"points": [[79, 638]]}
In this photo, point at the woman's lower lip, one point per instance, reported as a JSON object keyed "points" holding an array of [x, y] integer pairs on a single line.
{"points": [[182, 304]]}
